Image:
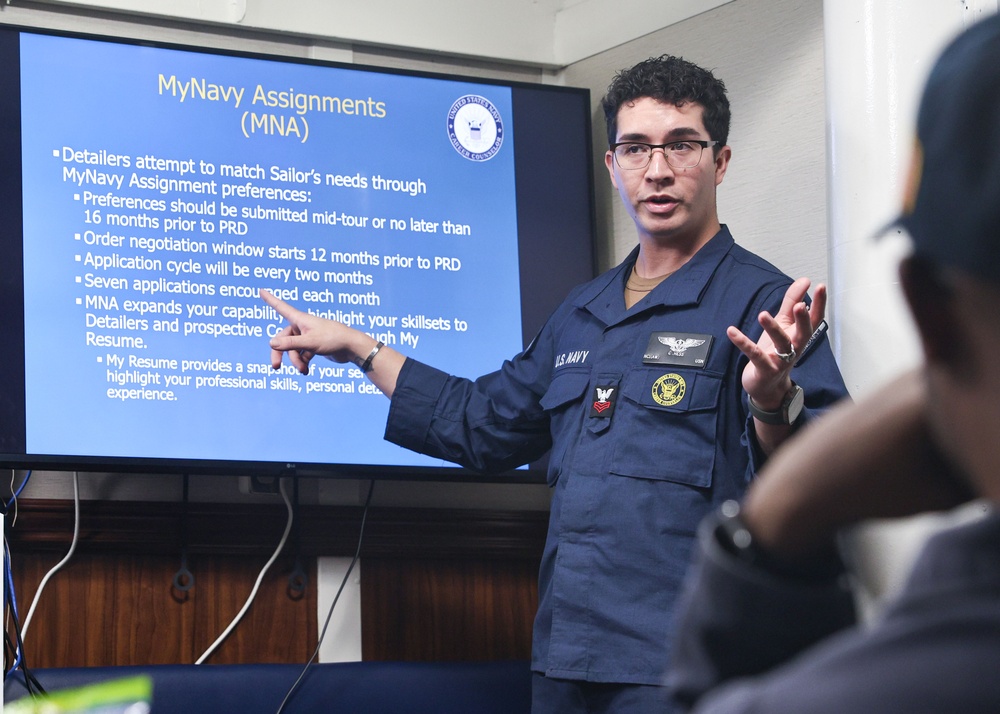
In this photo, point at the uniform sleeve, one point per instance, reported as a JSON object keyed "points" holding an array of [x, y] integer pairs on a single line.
{"points": [[736, 620], [490, 424], [816, 372]]}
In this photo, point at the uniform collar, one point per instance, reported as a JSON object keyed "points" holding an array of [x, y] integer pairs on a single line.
{"points": [[604, 297]]}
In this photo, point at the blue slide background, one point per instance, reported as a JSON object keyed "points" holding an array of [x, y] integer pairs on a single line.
{"points": [[90, 95]]}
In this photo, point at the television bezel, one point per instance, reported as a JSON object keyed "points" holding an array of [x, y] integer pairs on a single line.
{"points": [[541, 287]]}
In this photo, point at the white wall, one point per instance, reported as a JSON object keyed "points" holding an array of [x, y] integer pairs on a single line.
{"points": [[769, 53], [540, 33], [878, 54]]}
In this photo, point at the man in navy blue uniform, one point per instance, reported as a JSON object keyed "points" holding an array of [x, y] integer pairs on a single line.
{"points": [[658, 387], [767, 624]]}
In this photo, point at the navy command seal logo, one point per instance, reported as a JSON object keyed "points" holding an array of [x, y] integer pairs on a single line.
{"points": [[475, 127], [669, 389]]}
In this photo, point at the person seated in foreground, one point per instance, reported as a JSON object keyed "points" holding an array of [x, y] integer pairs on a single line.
{"points": [[767, 622]]}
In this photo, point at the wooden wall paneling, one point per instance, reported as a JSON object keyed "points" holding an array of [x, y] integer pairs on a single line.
{"points": [[447, 610], [276, 628], [436, 584], [116, 526], [102, 609], [121, 609], [54, 630]]}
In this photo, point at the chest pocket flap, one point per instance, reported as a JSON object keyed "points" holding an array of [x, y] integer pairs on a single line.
{"points": [[669, 420], [567, 386]]}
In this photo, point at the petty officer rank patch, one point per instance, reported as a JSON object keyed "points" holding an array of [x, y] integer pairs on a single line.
{"points": [[602, 405], [680, 348], [669, 389]]}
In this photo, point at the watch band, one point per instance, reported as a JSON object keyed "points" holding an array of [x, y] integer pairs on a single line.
{"points": [[787, 413], [366, 366], [731, 534]]}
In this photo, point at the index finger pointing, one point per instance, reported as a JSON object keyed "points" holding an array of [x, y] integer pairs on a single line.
{"points": [[281, 307]]}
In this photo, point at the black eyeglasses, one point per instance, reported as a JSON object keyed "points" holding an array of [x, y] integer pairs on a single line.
{"points": [[683, 154]]}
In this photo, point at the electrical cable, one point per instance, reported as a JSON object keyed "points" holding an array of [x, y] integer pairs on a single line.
{"points": [[260, 577], [17, 647], [15, 494], [61, 563], [30, 683], [8, 579], [329, 614], [9, 649], [23, 484]]}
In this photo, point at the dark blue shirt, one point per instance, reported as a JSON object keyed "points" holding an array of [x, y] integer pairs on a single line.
{"points": [[750, 641], [647, 435]]}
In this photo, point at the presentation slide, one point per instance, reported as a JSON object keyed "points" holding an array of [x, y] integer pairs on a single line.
{"points": [[162, 189]]}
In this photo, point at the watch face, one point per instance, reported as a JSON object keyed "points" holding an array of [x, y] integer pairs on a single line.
{"points": [[794, 403]]}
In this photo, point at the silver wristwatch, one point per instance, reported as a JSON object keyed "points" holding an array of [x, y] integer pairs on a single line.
{"points": [[788, 412]]}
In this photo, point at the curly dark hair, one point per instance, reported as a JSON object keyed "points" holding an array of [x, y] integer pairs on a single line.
{"points": [[672, 80]]}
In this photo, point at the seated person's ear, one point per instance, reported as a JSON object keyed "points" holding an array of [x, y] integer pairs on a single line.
{"points": [[931, 301]]}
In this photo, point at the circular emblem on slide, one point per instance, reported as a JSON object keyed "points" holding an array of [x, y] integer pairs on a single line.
{"points": [[669, 389], [475, 127]]}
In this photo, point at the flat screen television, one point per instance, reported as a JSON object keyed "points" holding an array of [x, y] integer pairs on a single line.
{"points": [[150, 191]]}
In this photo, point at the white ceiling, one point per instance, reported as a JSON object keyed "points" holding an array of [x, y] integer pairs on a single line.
{"points": [[545, 33]]}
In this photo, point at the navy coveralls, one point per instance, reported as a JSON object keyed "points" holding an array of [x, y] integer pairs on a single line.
{"points": [[640, 450]]}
